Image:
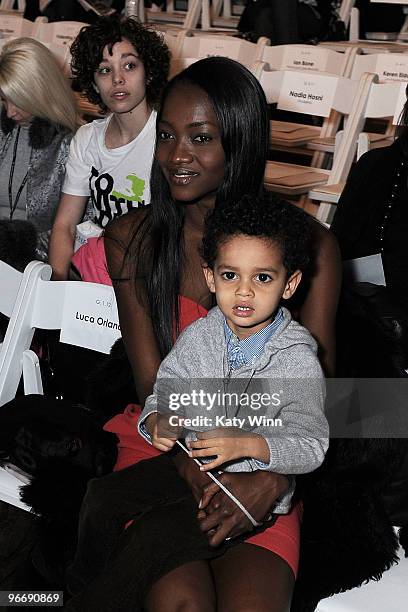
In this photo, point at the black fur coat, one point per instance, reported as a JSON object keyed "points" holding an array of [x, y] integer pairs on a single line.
{"points": [[350, 506]]}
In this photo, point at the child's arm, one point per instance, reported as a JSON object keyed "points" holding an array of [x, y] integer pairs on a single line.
{"points": [[162, 434], [229, 443]]}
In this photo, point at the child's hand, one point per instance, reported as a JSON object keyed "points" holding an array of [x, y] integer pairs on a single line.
{"points": [[228, 443], [163, 434]]}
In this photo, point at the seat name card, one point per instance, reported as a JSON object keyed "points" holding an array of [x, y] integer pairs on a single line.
{"points": [[224, 48], [392, 67], [90, 316], [304, 59], [10, 26], [308, 94], [64, 34]]}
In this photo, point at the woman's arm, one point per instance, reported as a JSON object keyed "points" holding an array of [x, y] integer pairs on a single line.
{"points": [[219, 516], [318, 311], [70, 212], [136, 325]]}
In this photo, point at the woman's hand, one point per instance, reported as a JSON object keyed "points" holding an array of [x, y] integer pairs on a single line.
{"points": [[220, 517], [190, 472]]}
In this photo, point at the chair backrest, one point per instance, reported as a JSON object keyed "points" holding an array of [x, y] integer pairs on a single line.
{"points": [[63, 56], [178, 64], [345, 11], [200, 46], [306, 58], [8, 5], [17, 295], [14, 26], [74, 307], [174, 40], [308, 93], [388, 66], [58, 32]]}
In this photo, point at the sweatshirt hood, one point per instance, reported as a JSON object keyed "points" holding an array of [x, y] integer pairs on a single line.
{"points": [[295, 334]]}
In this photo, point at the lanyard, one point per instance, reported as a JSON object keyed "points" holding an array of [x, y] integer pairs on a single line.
{"points": [[13, 205]]}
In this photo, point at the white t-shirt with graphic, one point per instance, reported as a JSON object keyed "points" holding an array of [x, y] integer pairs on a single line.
{"points": [[116, 180]]}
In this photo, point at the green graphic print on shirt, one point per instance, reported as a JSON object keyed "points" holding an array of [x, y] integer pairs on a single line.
{"points": [[109, 203]]}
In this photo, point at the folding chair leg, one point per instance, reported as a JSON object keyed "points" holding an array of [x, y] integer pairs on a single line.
{"points": [[32, 374], [325, 212]]}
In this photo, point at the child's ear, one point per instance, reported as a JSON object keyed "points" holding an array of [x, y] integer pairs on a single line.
{"points": [[292, 284], [209, 277]]}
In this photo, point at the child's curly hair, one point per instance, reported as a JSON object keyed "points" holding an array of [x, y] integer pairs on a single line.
{"points": [[265, 216], [87, 49]]}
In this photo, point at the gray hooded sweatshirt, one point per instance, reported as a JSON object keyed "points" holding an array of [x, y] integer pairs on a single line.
{"points": [[287, 380]]}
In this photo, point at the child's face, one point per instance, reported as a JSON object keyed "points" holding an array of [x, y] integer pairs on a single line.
{"points": [[249, 279]]}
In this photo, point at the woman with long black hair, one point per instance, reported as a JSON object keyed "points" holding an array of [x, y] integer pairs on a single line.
{"points": [[212, 145]]}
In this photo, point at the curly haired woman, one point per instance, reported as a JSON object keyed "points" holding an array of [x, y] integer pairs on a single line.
{"points": [[121, 66]]}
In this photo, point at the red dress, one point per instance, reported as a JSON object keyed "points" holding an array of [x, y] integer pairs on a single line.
{"points": [[282, 538]]}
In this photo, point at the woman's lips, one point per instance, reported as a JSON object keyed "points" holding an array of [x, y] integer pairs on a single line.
{"points": [[182, 177]]}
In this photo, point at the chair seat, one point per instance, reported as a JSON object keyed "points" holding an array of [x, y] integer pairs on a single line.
{"points": [[289, 179], [327, 193], [291, 134], [390, 594], [326, 144]]}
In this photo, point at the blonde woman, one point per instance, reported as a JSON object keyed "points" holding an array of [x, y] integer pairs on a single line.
{"points": [[38, 119]]}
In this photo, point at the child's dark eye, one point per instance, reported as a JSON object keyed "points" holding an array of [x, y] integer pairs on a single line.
{"points": [[102, 70], [229, 275], [130, 65], [263, 277]]}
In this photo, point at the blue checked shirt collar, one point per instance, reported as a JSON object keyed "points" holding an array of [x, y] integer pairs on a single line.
{"points": [[244, 352]]}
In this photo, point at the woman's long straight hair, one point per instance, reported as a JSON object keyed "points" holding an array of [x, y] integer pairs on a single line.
{"points": [[31, 79], [240, 106]]}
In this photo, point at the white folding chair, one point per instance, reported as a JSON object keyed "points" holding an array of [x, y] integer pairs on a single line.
{"points": [[294, 179], [41, 304], [192, 48], [296, 137], [17, 290], [204, 45], [383, 100], [32, 301]]}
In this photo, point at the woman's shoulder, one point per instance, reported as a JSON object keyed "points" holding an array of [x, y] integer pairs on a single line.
{"points": [[91, 130], [381, 157], [124, 230]]}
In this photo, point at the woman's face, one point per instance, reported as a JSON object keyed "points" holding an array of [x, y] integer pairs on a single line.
{"points": [[120, 78], [20, 116], [189, 148]]}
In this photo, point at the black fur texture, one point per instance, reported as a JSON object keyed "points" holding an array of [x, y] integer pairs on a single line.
{"points": [[347, 530]]}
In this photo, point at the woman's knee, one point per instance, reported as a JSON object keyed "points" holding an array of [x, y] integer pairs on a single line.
{"points": [[188, 588]]}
